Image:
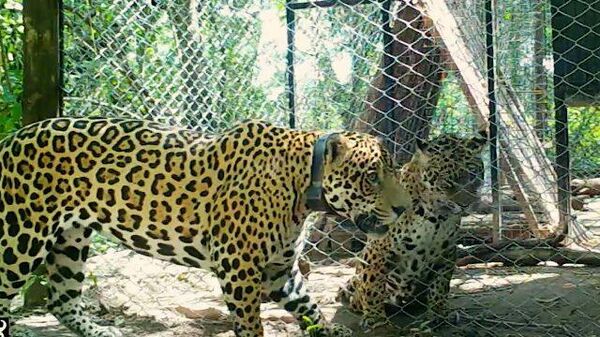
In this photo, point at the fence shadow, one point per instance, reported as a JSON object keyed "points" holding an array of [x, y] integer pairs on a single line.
{"points": [[532, 301]]}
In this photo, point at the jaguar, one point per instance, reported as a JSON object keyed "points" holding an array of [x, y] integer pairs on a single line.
{"points": [[233, 203], [410, 269]]}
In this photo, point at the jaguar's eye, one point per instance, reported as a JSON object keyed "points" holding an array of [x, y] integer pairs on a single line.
{"points": [[373, 177]]}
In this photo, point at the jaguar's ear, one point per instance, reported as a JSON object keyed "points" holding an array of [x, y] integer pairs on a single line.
{"points": [[337, 148], [421, 152], [421, 145], [479, 141], [381, 141]]}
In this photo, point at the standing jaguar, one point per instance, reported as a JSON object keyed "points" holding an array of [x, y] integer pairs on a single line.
{"points": [[412, 266], [233, 203]]}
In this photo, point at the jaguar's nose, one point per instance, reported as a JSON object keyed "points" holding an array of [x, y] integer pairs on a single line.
{"points": [[398, 210], [370, 225]]}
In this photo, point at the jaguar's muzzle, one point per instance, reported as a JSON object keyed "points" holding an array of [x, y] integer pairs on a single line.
{"points": [[371, 225]]}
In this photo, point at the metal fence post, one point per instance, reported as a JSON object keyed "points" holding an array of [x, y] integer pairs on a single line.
{"points": [[290, 17], [388, 59], [493, 119]]}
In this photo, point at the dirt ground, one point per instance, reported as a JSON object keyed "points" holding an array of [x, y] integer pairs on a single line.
{"points": [[150, 298]]}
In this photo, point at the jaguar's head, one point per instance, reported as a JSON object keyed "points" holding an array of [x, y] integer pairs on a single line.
{"points": [[453, 166], [359, 182]]}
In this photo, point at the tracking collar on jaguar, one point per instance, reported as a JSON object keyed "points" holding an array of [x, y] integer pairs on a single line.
{"points": [[315, 196]]}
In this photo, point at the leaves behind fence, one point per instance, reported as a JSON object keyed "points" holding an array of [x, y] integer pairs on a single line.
{"points": [[402, 70], [11, 65]]}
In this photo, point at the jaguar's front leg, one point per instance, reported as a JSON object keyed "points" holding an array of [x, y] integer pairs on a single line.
{"points": [[369, 293], [242, 297], [347, 294], [437, 297], [373, 306], [286, 286]]}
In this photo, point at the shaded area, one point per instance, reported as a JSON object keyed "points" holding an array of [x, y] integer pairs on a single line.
{"points": [[532, 301], [151, 298]]}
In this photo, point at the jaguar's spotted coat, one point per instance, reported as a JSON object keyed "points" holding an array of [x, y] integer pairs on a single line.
{"points": [[412, 266], [232, 203]]}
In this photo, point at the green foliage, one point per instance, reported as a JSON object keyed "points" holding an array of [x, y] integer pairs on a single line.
{"points": [[35, 278], [93, 279], [313, 330], [105, 77], [343, 57], [452, 113], [34, 291], [132, 58], [584, 132], [166, 65], [11, 65], [101, 244]]}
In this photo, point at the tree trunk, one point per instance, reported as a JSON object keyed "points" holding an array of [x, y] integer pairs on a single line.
{"points": [[417, 74], [41, 88], [41, 73], [185, 15]]}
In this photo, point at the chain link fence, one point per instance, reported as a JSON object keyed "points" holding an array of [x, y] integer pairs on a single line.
{"points": [[404, 70]]}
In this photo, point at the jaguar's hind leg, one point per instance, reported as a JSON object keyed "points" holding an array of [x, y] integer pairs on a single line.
{"points": [[19, 258], [5, 298], [4, 303], [65, 277]]}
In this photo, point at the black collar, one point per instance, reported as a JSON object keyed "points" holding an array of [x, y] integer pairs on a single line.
{"points": [[315, 198]]}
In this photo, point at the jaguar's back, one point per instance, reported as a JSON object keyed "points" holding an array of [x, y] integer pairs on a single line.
{"points": [[62, 178], [232, 203]]}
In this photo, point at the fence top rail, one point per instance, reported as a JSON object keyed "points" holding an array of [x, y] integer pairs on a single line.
{"points": [[329, 3]]}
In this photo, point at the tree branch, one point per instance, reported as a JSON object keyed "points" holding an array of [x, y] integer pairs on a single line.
{"points": [[527, 253]]}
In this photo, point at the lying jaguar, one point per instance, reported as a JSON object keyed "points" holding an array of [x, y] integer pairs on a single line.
{"points": [[412, 266], [232, 203]]}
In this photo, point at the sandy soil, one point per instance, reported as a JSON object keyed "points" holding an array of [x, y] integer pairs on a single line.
{"points": [[150, 298]]}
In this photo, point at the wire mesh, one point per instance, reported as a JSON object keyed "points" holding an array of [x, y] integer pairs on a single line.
{"points": [[404, 70]]}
